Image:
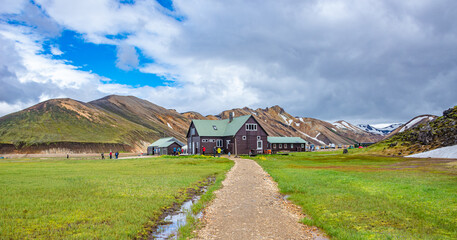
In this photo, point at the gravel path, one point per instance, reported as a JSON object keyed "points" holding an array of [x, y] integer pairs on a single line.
{"points": [[249, 206]]}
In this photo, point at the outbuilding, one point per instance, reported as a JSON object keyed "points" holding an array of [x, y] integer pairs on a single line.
{"points": [[288, 144], [164, 146]]}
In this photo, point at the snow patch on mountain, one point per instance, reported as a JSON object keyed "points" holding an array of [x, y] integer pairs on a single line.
{"points": [[314, 138], [286, 119], [413, 122], [380, 131], [345, 125]]}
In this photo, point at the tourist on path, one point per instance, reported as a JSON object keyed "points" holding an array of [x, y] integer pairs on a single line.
{"points": [[117, 155], [110, 155], [203, 150], [103, 156], [214, 151], [219, 152]]}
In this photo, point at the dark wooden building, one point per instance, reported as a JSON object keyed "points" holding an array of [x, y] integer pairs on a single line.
{"points": [[239, 135], [286, 144], [164, 146]]}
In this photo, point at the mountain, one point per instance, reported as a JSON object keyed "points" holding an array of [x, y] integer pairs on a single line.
{"points": [[416, 121], [381, 131], [422, 133], [129, 123], [277, 122], [70, 121]]}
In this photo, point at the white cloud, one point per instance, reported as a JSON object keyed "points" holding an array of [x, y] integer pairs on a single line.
{"points": [[127, 57], [56, 51], [327, 59]]}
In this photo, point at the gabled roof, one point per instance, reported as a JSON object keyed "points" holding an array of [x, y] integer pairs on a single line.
{"points": [[165, 142], [220, 128], [285, 140]]}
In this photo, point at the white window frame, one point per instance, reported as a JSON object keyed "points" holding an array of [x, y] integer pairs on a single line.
{"points": [[261, 144], [211, 140], [251, 127], [204, 140], [274, 145], [192, 131], [291, 145], [243, 137], [302, 145], [280, 146], [259, 138], [228, 142], [219, 143]]}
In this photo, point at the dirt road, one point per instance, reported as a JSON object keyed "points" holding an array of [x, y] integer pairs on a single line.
{"points": [[249, 206]]}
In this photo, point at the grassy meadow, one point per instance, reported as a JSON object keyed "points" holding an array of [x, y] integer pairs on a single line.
{"points": [[355, 196], [94, 199]]}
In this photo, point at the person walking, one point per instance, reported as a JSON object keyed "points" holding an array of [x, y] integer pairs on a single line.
{"points": [[117, 155], [103, 155], [219, 152], [178, 151], [174, 151], [110, 155], [214, 151], [203, 150]]}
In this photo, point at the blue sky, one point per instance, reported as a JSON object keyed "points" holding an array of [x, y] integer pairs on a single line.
{"points": [[101, 59], [377, 61]]}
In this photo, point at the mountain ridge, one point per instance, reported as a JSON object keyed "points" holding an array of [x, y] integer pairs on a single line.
{"points": [[134, 122]]}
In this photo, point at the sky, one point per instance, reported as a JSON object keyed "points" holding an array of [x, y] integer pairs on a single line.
{"points": [[373, 61]]}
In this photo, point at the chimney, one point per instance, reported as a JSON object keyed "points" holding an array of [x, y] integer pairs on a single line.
{"points": [[231, 116]]}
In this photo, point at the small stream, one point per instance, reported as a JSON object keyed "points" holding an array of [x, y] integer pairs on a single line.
{"points": [[174, 221]]}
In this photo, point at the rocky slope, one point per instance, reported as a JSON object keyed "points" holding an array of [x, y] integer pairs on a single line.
{"points": [[278, 122], [132, 123], [422, 133]]}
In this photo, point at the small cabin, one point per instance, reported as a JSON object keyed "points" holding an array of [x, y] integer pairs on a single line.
{"points": [[164, 146], [286, 144]]}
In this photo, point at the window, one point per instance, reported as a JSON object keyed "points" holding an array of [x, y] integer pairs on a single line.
{"points": [[251, 127], [228, 142], [285, 145], [211, 140], [302, 145], [204, 140], [280, 145], [244, 138], [274, 145], [259, 138], [214, 127], [192, 131], [219, 142], [291, 145], [259, 144]]}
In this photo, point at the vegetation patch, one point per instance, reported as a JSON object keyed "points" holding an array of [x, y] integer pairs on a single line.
{"points": [[356, 196], [95, 199]]}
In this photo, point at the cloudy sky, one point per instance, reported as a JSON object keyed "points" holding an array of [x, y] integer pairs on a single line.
{"points": [[373, 61]]}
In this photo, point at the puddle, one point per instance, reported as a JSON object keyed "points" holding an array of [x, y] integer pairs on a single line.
{"points": [[169, 230]]}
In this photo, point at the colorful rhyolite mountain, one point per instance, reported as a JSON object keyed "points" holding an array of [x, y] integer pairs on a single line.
{"points": [[128, 123]]}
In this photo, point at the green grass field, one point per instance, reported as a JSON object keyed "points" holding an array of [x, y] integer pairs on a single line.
{"points": [[355, 196], [94, 199]]}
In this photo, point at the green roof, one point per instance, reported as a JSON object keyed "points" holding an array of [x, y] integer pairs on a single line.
{"points": [[285, 140], [219, 128], [165, 142]]}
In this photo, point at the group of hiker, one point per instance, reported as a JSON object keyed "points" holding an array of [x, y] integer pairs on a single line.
{"points": [[177, 151], [116, 155], [215, 150]]}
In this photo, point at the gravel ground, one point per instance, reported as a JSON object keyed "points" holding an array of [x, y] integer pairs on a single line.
{"points": [[249, 206]]}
